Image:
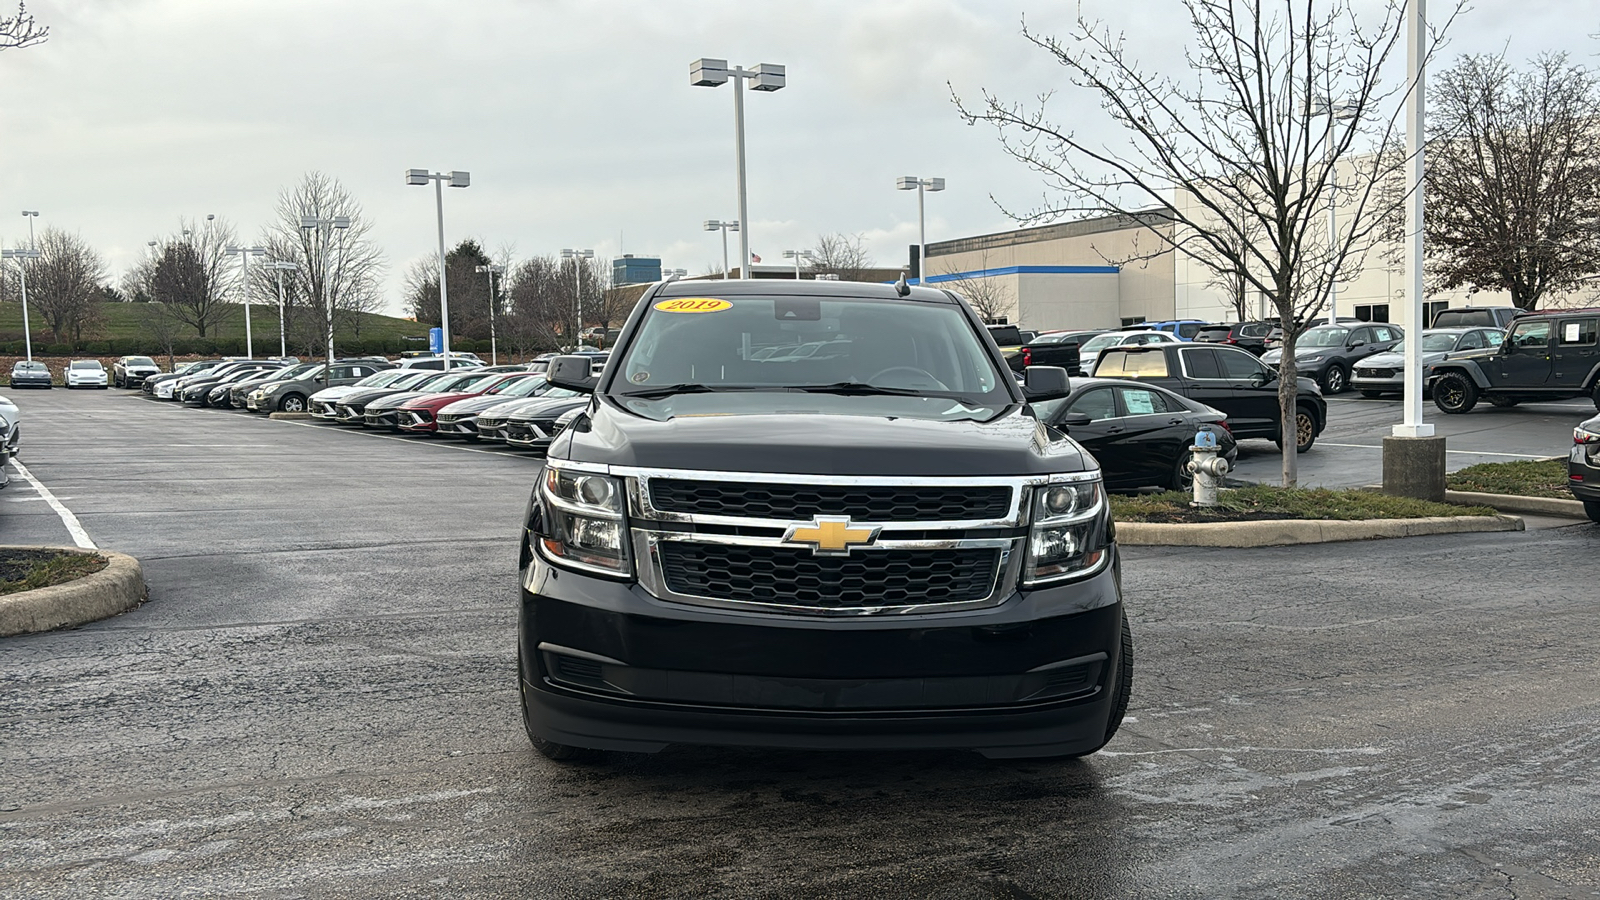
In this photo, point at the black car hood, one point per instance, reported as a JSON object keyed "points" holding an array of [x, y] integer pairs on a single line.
{"points": [[1014, 444]]}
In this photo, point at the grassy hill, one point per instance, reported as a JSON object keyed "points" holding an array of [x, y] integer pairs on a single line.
{"points": [[124, 331]]}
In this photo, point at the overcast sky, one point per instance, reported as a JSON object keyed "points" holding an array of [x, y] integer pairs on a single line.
{"points": [[576, 119]]}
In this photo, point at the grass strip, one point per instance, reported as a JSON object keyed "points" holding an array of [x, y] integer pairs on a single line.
{"points": [[1524, 478], [26, 570], [1263, 502]]}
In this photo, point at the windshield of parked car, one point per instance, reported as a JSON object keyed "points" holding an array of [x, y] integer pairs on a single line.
{"points": [[382, 379], [522, 387], [1324, 336], [87, 364], [927, 356], [459, 381], [28, 367], [293, 372], [1431, 343], [139, 361], [1099, 342]]}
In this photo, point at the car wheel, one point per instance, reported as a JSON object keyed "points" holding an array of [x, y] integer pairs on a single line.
{"points": [[1372, 395], [1592, 507], [1305, 429], [1454, 393], [1182, 478], [292, 403], [1335, 380], [1596, 396], [1503, 402], [547, 748], [1122, 689]]}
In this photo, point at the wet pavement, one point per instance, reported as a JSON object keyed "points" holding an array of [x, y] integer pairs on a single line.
{"points": [[319, 701]]}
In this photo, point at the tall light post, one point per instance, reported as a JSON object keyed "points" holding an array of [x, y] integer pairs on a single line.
{"points": [[244, 254], [577, 257], [281, 266], [492, 270], [1416, 57], [19, 255], [31, 214], [797, 256], [439, 179], [1343, 111], [724, 227], [765, 77], [321, 225], [910, 183]]}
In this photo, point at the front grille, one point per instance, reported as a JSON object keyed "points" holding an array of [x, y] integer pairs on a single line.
{"points": [[878, 503], [781, 576], [1375, 373]]}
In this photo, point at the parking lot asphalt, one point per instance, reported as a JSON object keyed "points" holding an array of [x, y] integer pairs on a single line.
{"points": [[1357, 427], [318, 701]]}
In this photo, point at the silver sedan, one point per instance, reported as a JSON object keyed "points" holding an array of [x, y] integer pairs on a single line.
{"points": [[1385, 373]]}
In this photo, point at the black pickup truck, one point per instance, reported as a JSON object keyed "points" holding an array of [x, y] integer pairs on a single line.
{"points": [[1053, 348], [1226, 379], [883, 548]]}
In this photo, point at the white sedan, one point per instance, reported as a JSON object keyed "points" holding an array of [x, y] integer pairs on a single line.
{"points": [[1089, 351], [87, 373]]}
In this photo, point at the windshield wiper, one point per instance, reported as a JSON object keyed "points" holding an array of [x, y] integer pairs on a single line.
{"points": [[863, 389], [671, 390]]}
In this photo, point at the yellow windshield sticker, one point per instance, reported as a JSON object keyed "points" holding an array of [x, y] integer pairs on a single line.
{"points": [[693, 305]]}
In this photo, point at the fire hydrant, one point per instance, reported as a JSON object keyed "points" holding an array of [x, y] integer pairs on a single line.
{"points": [[1207, 467]]}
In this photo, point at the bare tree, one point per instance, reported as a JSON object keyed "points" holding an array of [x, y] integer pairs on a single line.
{"points": [[844, 255], [162, 327], [1232, 162], [21, 30], [190, 274], [990, 298], [539, 305], [338, 268], [1513, 178], [65, 284]]}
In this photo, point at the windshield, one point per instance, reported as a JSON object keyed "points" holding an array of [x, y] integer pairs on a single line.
{"points": [[1100, 342], [523, 387], [926, 353], [294, 372], [139, 361], [86, 364], [1431, 343], [1324, 336], [457, 381], [382, 379]]}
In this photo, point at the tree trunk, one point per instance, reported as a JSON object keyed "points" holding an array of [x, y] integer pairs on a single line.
{"points": [[1288, 390]]}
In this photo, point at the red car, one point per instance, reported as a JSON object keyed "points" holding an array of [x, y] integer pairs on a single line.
{"points": [[419, 416]]}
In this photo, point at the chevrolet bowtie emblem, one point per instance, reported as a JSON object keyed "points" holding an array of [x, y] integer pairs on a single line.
{"points": [[830, 535]]}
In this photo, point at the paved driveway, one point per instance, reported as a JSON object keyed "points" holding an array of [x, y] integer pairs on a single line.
{"points": [[318, 701]]}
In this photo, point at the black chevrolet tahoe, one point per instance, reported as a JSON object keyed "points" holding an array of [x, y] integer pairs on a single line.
{"points": [[879, 549]]}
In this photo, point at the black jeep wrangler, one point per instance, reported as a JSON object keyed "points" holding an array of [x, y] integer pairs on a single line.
{"points": [[881, 547], [1546, 355]]}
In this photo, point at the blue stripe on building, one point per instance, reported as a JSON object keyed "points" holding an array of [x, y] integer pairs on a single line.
{"points": [[1020, 270]]}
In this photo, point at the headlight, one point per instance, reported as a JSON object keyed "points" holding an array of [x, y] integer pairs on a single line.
{"points": [[583, 516], [1067, 537], [1582, 435]]}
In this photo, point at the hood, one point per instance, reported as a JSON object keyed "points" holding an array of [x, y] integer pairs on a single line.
{"points": [[394, 399], [504, 408], [435, 401], [473, 404], [1014, 444], [367, 395], [1388, 359], [337, 393], [545, 409]]}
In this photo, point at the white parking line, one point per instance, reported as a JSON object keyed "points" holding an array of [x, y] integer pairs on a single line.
{"points": [[1466, 452], [403, 440], [74, 527]]}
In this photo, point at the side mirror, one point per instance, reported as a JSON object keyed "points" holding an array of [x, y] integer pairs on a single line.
{"points": [[1071, 419], [1040, 383], [1505, 347], [573, 373], [1259, 379], [1357, 343]]}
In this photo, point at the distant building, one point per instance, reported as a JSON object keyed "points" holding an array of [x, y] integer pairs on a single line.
{"points": [[630, 269]]}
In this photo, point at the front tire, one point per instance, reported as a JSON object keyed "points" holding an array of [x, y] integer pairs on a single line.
{"points": [[1372, 395], [1336, 380], [1122, 689], [1454, 393], [292, 403], [1592, 507], [1182, 479]]}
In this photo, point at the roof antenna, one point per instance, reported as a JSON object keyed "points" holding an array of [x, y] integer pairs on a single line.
{"points": [[900, 287]]}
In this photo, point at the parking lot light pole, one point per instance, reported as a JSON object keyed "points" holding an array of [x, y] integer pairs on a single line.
{"points": [[577, 257], [766, 78], [797, 256], [439, 179], [31, 214], [244, 254], [910, 183], [317, 224], [492, 270], [1343, 111], [281, 266], [19, 255], [724, 227]]}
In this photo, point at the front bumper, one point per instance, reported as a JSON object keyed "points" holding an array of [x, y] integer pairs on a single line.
{"points": [[606, 665], [350, 415], [328, 410], [381, 418], [415, 421], [457, 426], [535, 435]]}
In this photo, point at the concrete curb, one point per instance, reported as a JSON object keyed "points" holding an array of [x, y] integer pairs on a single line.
{"points": [[1516, 503], [289, 415], [115, 589], [1277, 533]]}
